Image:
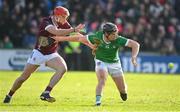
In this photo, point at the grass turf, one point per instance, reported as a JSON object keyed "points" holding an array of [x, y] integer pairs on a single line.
{"points": [[76, 93]]}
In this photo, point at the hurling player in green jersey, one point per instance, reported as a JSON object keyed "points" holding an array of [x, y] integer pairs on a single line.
{"points": [[107, 59]]}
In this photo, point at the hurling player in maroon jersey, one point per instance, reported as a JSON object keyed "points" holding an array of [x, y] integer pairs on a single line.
{"points": [[45, 51]]}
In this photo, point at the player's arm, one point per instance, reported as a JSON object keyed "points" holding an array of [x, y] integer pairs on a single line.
{"points": [[59, 32], [135, 50], [75, 38]]}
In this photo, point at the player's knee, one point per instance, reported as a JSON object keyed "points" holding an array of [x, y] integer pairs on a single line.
{"points": [[62, 70], [102, 77]]}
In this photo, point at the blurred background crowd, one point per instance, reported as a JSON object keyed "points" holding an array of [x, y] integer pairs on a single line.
{"points": [[155, 24]]}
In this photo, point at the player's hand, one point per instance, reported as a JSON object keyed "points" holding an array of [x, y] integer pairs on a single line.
{"points": [[97, 42], [94, 47], [79, 28], [94, 50], [134, 61]]}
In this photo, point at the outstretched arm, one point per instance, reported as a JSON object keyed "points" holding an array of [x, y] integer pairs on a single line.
{"points": [[75, 38], [135, 50], [61, 32]]}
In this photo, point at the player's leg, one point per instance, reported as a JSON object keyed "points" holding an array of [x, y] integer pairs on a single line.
{"points": [[101, 73], [28, 70], [121, 85], [59, 65], [101, 77], [115, 70]]}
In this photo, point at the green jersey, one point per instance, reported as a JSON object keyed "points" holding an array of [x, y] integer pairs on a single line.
{"points": [[107, 51]]}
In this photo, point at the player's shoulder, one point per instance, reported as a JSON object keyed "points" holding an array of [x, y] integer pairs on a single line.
{"points": [[120, 37], [121, 40], [46, 19], [99, 34]]}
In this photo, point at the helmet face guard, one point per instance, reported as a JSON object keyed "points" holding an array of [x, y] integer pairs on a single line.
{"points": [[109, 28], [59, 11]]}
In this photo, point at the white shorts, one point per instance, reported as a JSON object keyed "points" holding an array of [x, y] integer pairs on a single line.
{"points": [[37, 58], [114, 69]]}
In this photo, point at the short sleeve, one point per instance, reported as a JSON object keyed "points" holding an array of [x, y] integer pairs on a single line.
{"points": [[122, 41]]}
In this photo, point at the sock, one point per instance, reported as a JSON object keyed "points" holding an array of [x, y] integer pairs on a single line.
{"points": [[47, 90], [98, 98], [10, 93]]}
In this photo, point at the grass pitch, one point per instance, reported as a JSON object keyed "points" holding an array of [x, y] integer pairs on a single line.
{"points": [[76, 93]]}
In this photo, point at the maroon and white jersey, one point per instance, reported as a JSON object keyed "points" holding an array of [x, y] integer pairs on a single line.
{"points": [[45, 44]]}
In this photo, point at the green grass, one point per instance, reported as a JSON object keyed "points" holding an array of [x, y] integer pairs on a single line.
{"points": [[76, 92]]}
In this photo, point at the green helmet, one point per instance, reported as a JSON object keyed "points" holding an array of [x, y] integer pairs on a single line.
{"points": [[109, 28]]}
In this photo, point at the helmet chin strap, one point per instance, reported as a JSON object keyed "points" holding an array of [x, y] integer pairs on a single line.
{"points": [[107, 37], [55, 19]]}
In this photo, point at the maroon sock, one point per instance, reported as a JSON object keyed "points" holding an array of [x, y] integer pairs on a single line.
{"points": [[48, 89], [11, 93]]}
